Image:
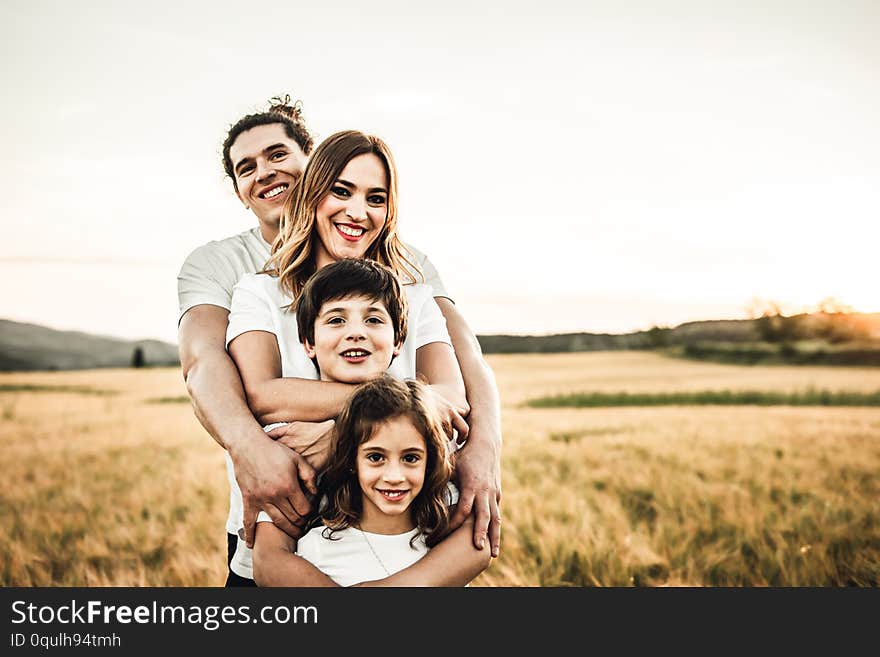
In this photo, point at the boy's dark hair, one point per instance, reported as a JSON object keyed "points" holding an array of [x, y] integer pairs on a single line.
{"points": [[280, 111], [351, 277]]}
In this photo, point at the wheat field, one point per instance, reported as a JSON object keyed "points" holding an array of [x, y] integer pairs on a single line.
{"points": [[108, 479]]}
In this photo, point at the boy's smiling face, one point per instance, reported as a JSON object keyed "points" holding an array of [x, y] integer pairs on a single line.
{"points": [[354, 340]]}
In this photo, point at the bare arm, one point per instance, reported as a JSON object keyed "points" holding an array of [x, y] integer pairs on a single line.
{"points": [[453, 562], [478, 463], [266, 471], [275, 563], [274, 398]]}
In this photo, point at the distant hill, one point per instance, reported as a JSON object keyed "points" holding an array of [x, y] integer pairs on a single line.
{"points": [[709, 331], [34, 347], [732, 330]]}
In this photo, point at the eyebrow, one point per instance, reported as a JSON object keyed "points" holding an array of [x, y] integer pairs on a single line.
{"points": [[341, 309], [268, 149], [408, 450], [345, 183]]}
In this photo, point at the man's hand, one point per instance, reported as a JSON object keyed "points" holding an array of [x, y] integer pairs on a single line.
{"points": [[309, 439], [269, 475], [478, 473]]}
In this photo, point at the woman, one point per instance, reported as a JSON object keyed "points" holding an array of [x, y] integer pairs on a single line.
{"points": [[344, 206]]}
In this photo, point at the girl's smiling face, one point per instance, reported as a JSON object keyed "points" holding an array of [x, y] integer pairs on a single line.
{"points": [[350, 218], [391, 474]]}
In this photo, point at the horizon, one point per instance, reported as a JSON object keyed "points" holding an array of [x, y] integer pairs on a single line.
{"points": [[518, 335], [602, 168]]}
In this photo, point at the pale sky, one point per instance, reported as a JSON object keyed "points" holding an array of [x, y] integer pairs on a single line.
{"points": [[568, 166]]}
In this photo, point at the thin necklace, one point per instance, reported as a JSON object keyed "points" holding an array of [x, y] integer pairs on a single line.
{"points": [[372, 549]]}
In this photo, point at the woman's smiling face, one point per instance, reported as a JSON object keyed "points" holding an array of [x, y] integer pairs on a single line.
{"points": [[349, 219]]}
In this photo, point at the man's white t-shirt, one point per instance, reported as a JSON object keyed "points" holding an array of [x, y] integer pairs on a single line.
{"points": [[352, 556], [259, 304]]}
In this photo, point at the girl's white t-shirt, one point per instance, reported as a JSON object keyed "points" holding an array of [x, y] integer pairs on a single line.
{"points": [[352, 556]]}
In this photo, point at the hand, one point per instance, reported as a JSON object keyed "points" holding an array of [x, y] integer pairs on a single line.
{"points": [[309, 439], [451, 417], [478, 473], [269, 476]]}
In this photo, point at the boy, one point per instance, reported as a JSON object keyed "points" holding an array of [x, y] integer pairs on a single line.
{"points": [[353, 321]]}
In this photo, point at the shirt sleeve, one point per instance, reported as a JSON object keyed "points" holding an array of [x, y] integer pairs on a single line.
{"points": [[201, 281], [429, 271], [309, 547], [250, 309], [432, 278], [430, 323]]}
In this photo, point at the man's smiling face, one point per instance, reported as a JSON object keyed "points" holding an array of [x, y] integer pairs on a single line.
{"points": [[265, 164]]}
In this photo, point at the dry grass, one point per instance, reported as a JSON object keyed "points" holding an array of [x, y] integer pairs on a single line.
{"points": [[119, 490]]}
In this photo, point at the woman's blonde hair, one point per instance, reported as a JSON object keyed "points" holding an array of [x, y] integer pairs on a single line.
{"points": [[372, 404], [293, 252]]}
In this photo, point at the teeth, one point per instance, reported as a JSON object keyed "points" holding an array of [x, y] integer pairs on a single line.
{"points": [[394, 494], [275, 191], [348, 230], [354, 353]]}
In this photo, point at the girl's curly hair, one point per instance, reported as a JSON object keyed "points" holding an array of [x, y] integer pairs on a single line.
{"points": [[373, 403]]}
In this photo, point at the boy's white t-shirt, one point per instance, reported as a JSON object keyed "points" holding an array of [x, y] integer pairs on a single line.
{"points": [[258, 304]]}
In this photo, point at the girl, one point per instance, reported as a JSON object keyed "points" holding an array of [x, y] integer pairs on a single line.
{"points": [[385, 489]]}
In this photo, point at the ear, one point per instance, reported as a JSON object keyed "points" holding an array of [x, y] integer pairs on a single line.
{"points": [[397, 348], [310, 348]]}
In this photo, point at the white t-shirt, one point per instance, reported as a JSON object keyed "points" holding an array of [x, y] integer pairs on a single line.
{"points": [[208, 276], [259, 304], [352, 556], [209, 273]]}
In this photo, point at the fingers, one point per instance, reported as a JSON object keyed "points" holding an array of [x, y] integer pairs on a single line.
{"points": [[285, 520], [276, 430], [495, 524], [250, 517], [459, 424], [462, 511], [481, 519], [307, 476]]}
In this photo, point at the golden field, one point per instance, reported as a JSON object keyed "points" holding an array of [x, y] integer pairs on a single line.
{"points": [[121, 490]]}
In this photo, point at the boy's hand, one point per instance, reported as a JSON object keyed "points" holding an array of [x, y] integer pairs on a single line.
{"points": [[450, 417], [309, 439]]}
